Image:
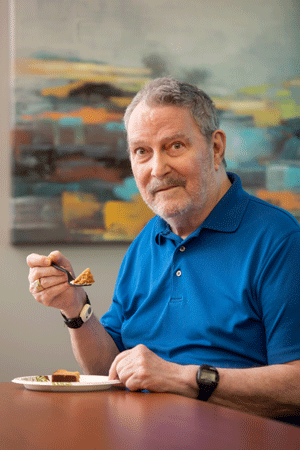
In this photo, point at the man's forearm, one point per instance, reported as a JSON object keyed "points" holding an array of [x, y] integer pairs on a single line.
{"points": [[93, 347], [271, 391]]}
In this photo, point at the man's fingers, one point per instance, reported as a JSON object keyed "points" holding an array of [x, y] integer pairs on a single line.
{"points": [[35, 260], [46, 272], [113, 371], [48, 297], [58, 258], [112, 374], [41, 283]]}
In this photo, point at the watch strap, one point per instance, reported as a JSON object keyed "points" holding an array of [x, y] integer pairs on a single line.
{"points": [[83, 317], [205, 392]]}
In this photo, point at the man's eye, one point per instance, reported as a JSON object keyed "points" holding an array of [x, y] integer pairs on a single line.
{"points": [[177, 145], [140, 151]]}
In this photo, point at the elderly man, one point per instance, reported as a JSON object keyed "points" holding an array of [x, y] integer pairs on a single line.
{"points": [[205, 300]]}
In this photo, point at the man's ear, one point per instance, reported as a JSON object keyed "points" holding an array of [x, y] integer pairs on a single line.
{"points": [[218, 145]]}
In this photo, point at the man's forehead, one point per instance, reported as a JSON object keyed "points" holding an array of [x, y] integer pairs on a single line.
{"points": [[165, 120], [149, 109]]}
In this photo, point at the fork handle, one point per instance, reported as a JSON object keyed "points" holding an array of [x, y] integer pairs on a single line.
{"points": [[70, 278]]}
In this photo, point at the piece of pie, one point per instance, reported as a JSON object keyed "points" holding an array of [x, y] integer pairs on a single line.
{"points": [[85, 277]]}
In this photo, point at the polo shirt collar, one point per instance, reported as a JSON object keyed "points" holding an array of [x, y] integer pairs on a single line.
{"points": [[225, 217], [228, 212]]}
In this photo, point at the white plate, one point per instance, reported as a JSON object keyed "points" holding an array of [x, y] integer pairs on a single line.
{"points": [[86, 383]]}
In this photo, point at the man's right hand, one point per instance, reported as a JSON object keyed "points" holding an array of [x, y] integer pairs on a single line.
{"points": [[49, 286]]}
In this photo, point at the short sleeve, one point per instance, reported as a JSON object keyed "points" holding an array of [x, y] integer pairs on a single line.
{"points": [[113, 319], [112, 322], [279, 293]]}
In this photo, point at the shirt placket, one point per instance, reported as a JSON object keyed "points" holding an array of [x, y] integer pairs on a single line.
{"points": [[177, 274]]}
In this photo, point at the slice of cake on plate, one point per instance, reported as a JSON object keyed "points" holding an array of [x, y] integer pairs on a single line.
{"points": [[65, 376]]}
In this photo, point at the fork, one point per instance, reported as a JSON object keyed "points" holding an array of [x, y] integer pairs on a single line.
{"points": [[70, 278]]}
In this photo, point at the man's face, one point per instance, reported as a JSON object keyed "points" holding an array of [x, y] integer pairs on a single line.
{"points": [[172, 163]]}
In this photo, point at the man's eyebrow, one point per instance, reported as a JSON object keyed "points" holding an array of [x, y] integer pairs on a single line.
{"points": [[136, 142], [172, 137]]}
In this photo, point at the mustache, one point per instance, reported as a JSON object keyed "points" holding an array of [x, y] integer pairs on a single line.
{"points": [[156, 186]]}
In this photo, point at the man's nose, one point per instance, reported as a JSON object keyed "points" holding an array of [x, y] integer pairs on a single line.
{"points": [[160, 165]]}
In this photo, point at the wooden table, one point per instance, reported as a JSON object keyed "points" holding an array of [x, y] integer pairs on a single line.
{"points": [[117, 420]]}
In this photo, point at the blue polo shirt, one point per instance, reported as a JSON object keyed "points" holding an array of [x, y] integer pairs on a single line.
{"points": [[227, 295]]}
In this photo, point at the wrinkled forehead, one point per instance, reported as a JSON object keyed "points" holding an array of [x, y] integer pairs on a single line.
{"points": [[156, 115]]}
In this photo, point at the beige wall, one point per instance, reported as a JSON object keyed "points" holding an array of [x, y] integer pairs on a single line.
{"points": [[33, 338]]}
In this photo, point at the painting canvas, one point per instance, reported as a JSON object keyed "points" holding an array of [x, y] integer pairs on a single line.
{"points": [[78, 64]]}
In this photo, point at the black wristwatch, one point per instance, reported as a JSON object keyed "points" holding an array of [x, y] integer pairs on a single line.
{"points": [[84, 315], [207, 379]]}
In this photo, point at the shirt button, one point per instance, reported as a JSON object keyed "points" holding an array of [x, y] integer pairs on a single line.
{"points": [[182, 248], [178, 273]]}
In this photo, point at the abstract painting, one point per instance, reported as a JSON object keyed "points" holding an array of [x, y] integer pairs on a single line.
{"points": [[78, 64]]}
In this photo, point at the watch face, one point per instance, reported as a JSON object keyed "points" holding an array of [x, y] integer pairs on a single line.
{"points": [[86, 312], [208, 375]]}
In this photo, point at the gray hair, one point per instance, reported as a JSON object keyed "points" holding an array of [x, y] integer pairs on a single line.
{"points": [[168, 91]]}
